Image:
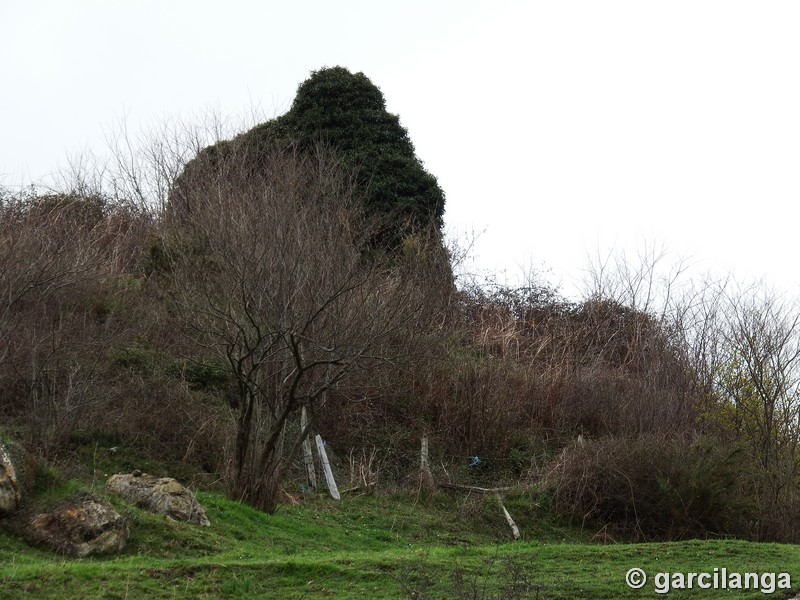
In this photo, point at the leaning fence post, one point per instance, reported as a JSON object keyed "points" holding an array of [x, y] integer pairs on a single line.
{"points": [[326, 467]]}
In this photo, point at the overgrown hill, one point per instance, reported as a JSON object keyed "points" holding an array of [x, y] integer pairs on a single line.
{"points": [[250, 307]]}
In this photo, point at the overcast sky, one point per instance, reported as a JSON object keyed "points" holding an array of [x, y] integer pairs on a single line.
{"points": [[557, 129]]}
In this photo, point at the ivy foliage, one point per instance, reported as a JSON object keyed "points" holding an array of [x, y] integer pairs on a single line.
{"points": [[347, 112]]}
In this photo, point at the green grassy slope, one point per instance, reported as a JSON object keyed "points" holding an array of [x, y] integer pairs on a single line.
{"points": [[370, 547]]}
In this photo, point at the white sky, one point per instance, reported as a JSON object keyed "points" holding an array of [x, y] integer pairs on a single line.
{"points": [[556, 128]]}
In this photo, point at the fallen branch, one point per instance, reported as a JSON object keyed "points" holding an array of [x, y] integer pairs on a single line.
{"points": [[472, 488], [496, 492], [509, 520]]}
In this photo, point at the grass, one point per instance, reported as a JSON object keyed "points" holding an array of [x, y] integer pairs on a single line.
{"points": [[448, 545]]}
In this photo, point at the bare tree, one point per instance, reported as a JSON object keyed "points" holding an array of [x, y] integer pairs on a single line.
{"points": [[144, 165], [271, 270], [647, 283], [758, 379]]}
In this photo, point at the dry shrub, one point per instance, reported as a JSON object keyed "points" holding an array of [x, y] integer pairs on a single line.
{"points": [[65, 264], [525, 361], [779, 520], [652, 487], [475, 404], [365, 469], [509, 366], [160, 414], [621, 373]]}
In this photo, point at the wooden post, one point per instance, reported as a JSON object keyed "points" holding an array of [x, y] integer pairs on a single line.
{"points": [[425, 475], [308, 457], [326, 467]]}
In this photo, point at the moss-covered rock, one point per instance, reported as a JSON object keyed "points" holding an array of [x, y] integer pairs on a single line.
{"points": [[17, 472], [162, 495], [82, 526]]}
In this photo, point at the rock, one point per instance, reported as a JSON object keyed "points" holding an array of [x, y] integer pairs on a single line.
{"points": [[162, 495], [16, 476], [82, 526]]}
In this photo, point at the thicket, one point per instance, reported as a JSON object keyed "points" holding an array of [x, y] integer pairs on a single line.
{"points": [[647, 409]]}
